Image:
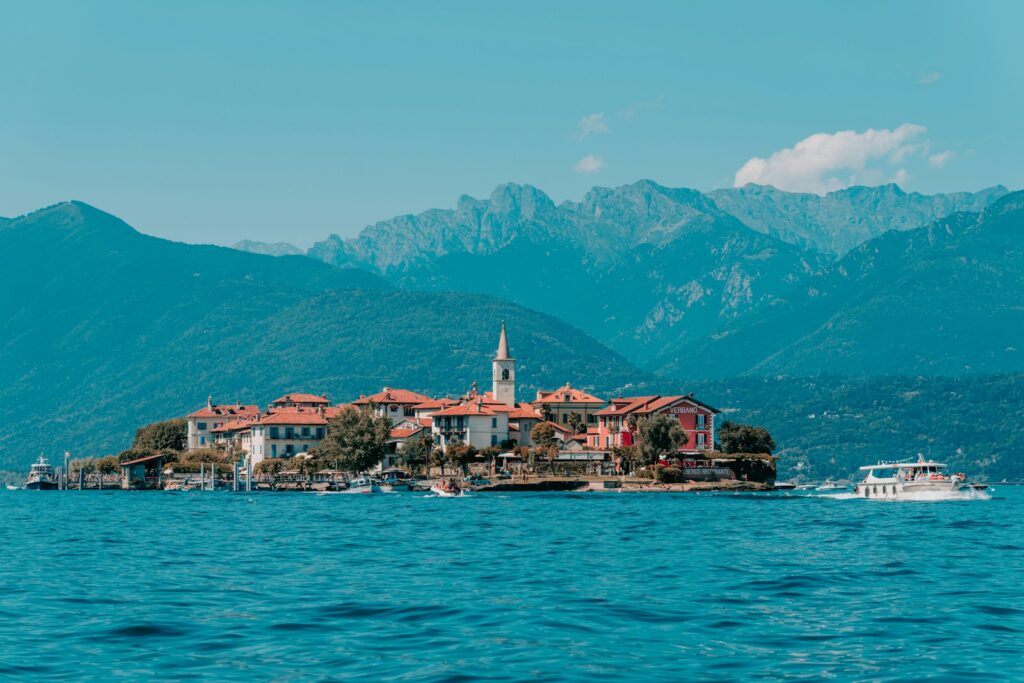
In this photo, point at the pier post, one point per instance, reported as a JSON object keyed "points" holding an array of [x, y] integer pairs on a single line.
{"points": [[248, 474], [81, 478], [213, 476], [202, 476]]}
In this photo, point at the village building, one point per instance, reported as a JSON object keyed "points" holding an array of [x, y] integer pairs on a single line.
{"points": [[235, 436], [423, 411], [202, 422], [285, 433], [394, 404], [522, 420], [473, 424], [616, 423], [560, 404], [300, 401]]}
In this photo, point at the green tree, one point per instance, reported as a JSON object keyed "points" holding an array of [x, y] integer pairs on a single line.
{"points": [[459, 454], [356, 439], [169, 435], [577, 423], [417, 449], [437, 459], [545, 412], [106, 466], [543, 435], [658, 436], [743, 438]]}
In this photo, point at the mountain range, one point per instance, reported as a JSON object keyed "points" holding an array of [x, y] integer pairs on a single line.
{"points": [[799, 312], [676, 280]]}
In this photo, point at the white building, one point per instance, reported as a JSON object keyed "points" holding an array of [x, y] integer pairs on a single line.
{"points": [[394, 404], [473, 424], [286, 433], [202, 422]]}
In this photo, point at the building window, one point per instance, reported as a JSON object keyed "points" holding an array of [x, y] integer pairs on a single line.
{"points": [[494, 423], [273, 432], [273, 450], [305, 446], [700, 440], [591, 419], [494, 439], [289, 449], [565, 418], [305, 431], [607, 442], [319, 432], [289, 432], [201, 426], [202, 440], [700, 420], [409, 412]]}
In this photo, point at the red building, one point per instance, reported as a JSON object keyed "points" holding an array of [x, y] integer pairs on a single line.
{"points": [[616, 426]]}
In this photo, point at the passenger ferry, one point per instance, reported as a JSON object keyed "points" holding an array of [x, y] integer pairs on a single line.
{"points": [[921, 480], [41, 476]]}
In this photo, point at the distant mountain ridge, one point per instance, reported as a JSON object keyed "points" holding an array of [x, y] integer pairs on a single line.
{"points": [[268, 249], [643, 267], [839, 221], [943, 299]]}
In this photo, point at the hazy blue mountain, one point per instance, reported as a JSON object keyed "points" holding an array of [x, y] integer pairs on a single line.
{"points": [[944, 299], [839, 221], [641, 267], [268, 249], [105, 329]]}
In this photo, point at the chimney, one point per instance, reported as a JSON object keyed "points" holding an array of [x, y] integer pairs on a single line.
{"points": [[209, 402]]}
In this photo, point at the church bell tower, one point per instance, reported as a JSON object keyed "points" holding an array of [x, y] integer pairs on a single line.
{"points": [[503, 372]]}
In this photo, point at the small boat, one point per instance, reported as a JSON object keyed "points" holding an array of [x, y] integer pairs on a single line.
{"points": [[830, 485], [395, 480], [784, 486], [448, 488], [12, 487], [363, 485], [921, 480], [41, 476]]}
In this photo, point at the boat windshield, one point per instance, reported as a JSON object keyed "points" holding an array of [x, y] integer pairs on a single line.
{"points": [[883, 472]]}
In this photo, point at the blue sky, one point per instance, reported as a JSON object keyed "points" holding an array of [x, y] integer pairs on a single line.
{"points": [[217, 121]]}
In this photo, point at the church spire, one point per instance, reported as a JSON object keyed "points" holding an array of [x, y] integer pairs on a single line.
{"points": [[502, 345]]}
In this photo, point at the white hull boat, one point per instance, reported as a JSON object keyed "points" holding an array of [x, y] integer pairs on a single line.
{"points": [[922, 480], [363, 485]]}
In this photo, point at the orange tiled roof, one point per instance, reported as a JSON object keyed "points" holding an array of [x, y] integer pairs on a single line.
{"points": [[466, 409], [435, 403], [232, 410], [645, 405], [390, 395], [235, 426], [293, 416], [303, 398], [567, 394], [405, 433], [524, 411]]}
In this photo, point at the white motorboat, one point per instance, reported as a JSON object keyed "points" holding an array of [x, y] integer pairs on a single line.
{"points": [[921, 480], [832, 486], [448, 488], [12, 487], [41, 476], [363, 485]]}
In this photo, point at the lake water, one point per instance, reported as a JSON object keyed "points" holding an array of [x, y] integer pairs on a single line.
{"points": [[102, 585]]}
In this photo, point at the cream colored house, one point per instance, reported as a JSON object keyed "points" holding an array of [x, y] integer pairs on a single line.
{"points": [[473, 423], [202, 422], [566, 400]]}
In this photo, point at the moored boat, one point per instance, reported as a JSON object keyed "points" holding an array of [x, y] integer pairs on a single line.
{"points": [[41, 476], [920, 480], [363, 485], [832, 486]]}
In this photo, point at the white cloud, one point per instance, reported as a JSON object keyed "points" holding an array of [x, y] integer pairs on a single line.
{"points": [[930, 78], [940, 159], [825, 162], [589, 164], [900, 177], [592, 123]]}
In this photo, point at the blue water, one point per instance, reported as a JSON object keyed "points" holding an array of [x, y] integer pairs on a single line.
{"points": [[142, 586]]}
